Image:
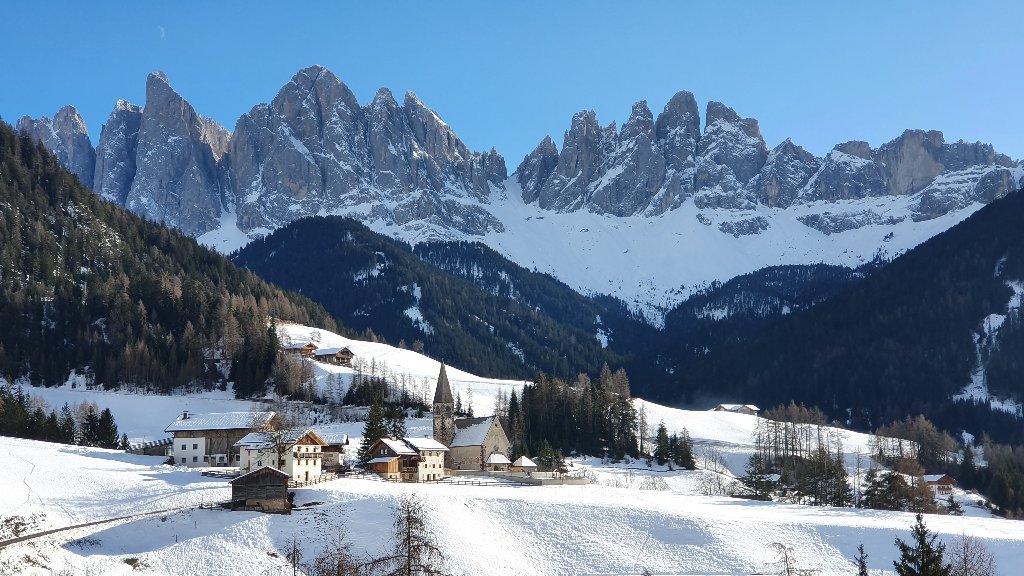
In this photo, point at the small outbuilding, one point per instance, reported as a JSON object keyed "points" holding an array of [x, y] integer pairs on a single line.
{"points": [[497, 462], [524, 464], [265, 489], [304, 349]]}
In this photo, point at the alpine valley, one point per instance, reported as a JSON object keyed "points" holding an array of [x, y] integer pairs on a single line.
{"points": [[667, 248]]}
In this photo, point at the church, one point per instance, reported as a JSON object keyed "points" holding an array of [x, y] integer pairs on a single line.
{"points": [[473, 443]]}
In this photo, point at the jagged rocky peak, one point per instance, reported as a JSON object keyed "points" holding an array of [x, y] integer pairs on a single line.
{"points": [[677, 132], [912, 161], [579, 163], [536, 168], [116, 152], [314, 149], [847, 172], [634, 170], [787, 169], [176, 178], [730, 153], [68, 138]]}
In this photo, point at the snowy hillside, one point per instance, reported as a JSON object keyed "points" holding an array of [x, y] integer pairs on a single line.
{"points": [[612, 527], [654, 262]]}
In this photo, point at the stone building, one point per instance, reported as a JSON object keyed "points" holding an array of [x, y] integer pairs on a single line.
{"points": [[204, 440], [472, 441]]}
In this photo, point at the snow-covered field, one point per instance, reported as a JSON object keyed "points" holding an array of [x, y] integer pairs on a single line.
{"points": [[595, 529], [633, 518]]}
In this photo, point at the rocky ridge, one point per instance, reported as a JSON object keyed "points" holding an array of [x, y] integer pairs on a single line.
{"points": [[314, 149], [651, 168]]}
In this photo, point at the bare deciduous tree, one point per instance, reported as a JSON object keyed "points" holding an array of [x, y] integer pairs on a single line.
{"points": [[970, 557]]}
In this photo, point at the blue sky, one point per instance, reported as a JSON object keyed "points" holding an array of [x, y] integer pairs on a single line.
{"points": [[507, 75]]}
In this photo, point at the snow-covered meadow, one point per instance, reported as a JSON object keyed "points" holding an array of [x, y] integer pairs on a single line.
{"points": [[633, 518]]}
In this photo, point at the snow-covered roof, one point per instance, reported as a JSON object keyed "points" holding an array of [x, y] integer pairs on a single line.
{"points": [[524, 462], [258, 471], [296, 345], [382, 459], [263, 440], [334, 438], [421, 444], [330, 351], [471, 431], [498, 458], [398, 446], [937, 478], [737, 407], [220, 421]]}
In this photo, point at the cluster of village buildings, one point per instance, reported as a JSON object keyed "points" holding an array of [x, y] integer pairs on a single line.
{"points": [[270, 459]]}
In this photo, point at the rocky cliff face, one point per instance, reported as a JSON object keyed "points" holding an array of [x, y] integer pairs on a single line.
{"points": [[116, 153], [314, 149], [68, 138], [728, 167]]}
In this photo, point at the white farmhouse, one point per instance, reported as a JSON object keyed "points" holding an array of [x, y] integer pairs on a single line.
{"points": [[204, 440], [297, 453]]}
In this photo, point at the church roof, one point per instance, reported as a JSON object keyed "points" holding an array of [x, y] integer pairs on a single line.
{"points": [[471, 431], [443, 393]]}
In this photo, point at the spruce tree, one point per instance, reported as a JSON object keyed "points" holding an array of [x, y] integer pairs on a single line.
{"points": [[923, 556], [106, 435], [375, 429], [862, 561], [661, 447]]}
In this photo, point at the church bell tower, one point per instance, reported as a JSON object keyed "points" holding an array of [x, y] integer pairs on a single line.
{"points": [[444, 410]]}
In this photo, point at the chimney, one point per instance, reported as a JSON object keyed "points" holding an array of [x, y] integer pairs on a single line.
{"points": [[184, 415]]}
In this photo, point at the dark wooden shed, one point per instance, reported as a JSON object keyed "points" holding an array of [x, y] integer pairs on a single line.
{"points": [[265, 489]]}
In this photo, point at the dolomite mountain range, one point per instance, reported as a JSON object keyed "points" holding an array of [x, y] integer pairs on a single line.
{"points": [[314, 149]]}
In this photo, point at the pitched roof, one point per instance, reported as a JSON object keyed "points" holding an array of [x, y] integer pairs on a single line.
{"points": [[498, 458], [330, 351], [524, 462], [443, 392], [334, 438], [262, 441], [382, 459], [260, 471], [472, 431], [398, 446], [220, 421], [935, 478], [421, 444]]}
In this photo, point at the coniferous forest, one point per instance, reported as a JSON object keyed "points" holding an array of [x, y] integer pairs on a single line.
{"points": [[89, 287]]}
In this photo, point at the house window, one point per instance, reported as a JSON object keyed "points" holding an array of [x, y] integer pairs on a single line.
{"points": [[206, 458], [195, 458], [182, 459], [183, 447], [195, 446]]}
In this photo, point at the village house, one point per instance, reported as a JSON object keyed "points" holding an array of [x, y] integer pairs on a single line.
{"points": [[940, 484], [264, 489], [472, 441], [304, 349], [340, 356], [204, 440], [297, 453], [408, 459], [334, 450], [737, 408]]}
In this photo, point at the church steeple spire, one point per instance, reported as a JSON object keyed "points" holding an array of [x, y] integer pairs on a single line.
{"points": [[444, 410]]}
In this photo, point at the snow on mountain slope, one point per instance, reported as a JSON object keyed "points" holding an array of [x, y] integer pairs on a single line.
{"points": [[654, 262], [591, 529]]}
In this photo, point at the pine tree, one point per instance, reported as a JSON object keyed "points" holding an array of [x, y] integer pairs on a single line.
{"points": [[395, 421], [862, 561], [923, 556], [953, 507], [91, 428], [374, 429], [661, 447], [106, 435], [66, 425]]}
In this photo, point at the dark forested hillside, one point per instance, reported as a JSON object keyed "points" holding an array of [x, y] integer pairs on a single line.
{"points": [[900, 342], [487, 317], [90, 287]]}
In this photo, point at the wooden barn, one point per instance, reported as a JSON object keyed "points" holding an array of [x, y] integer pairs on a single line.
{"points": [[340, 356], [304, 349], [265, 490]]}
